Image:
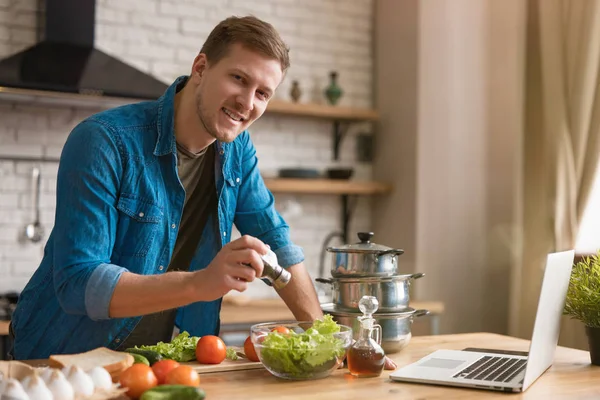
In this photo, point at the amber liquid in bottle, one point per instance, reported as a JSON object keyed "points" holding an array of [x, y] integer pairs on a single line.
{"points": [[365, 362], [366, 357]]}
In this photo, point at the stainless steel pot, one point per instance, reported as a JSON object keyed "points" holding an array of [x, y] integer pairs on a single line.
{"points": [[393, 293], [364, 258], [395, 327]]}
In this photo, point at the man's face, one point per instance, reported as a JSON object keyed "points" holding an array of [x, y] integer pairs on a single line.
{"points": [[234, 92]]}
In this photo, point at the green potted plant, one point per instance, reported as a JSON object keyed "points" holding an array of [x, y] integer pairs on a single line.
{"points": [[583, 301]]}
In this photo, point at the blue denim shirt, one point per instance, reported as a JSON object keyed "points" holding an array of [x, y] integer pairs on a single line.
{"points": [[119, 203]]}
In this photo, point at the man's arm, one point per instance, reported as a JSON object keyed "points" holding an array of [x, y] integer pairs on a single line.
{"points": [[300, 295], [145, 294], [256, 216]]}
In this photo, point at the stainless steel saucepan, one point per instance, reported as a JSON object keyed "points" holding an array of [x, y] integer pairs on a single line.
{"points": [[395, 327], [364, 258], [393, 292]]}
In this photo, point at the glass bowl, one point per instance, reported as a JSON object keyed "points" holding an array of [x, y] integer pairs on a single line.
{"points": [[294, 350]]}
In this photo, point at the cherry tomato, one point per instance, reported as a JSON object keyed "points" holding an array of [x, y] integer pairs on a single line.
{"points": [[281, 329], [210, 350], [183, 375], [249, 350], [162, 368], [137, 379]]}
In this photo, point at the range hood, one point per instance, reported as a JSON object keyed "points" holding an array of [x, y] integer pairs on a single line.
{"points": [[65, 66]]}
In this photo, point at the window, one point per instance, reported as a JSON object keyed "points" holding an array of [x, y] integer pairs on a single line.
{"points": [[588, 237]]}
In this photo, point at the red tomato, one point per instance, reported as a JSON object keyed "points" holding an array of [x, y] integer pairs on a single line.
{"points": [[281, 329], [137, 379], [210, 350], [183, 375], [162, 368], [249, 350]]}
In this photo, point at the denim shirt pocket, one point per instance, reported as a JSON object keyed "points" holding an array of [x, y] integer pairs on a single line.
{"points": [[139, 222]]}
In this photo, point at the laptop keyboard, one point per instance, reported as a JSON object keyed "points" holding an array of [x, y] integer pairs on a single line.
{"points": [[493, 369]]}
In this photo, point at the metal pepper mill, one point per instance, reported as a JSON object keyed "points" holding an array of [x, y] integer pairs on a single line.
{"points": [[273, 274]]}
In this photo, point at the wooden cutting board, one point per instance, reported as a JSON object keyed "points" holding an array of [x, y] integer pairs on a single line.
{"points": [[226, 365], [242, 363]]}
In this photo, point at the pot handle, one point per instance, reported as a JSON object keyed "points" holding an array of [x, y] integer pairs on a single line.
{"points": [[324, 280], [417, 275], [395, 252], [420, 313]]}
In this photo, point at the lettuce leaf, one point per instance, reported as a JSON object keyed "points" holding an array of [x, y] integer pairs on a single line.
{"points": [[306, 353], [182, 348]]}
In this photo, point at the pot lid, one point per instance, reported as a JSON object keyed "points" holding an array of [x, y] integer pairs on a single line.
{"points": [[364, 246], [330, 308]]}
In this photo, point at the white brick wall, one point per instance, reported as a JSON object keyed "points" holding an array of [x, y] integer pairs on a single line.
{"points": [[162, 37]]}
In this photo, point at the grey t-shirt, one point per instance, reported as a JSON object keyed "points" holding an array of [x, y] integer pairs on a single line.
{"points": [[196, 173]]}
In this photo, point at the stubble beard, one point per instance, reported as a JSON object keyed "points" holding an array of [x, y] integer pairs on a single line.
{"points": [[204, 118]]}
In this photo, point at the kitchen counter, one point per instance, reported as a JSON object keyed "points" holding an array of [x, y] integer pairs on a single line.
{"points": [[239, 313], [571, 377]]}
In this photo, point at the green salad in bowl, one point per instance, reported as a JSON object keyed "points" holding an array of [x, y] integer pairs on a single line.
{"points": [[301, 350]]}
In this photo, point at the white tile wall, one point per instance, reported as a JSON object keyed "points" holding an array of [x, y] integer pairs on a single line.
{"points": [[162, 37]]}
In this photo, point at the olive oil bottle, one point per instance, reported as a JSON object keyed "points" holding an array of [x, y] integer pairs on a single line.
{"points": [[366, 358]]}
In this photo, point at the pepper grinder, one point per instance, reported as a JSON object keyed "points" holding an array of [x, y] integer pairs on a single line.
{"points": [[273, 274]]}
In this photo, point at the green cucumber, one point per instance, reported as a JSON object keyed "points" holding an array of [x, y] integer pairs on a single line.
{"points": [[140, 359], [151, 356], [173, 392]]}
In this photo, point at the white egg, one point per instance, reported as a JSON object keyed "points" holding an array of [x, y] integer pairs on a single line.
{"points": [[101, 378], [36, 389], [25, 381], [2, 383], [45, 373], [14, 391], [66, 370], [82, 383], [59, 386]]}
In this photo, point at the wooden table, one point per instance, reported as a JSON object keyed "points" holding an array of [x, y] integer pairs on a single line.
{"points": [[240, 314], [570, 377], [4, 328]]}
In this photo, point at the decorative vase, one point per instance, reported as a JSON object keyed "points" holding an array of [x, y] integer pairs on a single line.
{"points": [[593, 335], [295, 92], [333, 92]]}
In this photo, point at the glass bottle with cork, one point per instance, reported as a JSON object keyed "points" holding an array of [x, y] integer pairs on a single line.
{"points": [[366, 358]]}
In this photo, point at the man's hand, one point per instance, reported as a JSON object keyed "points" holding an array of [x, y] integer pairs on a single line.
{"points": [[389, 364], [238, 263]]}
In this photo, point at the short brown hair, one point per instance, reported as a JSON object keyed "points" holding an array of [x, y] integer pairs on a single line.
{"points": [[250, 32]]}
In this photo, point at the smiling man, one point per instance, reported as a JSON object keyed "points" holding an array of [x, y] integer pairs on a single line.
{"points": [[147, 195]]}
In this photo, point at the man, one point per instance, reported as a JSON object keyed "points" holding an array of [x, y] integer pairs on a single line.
{"points": [[147, 195]]}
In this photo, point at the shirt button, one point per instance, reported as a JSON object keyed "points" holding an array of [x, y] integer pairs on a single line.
{"points": [[221, 152], [141, 214], [237, 180], [117, 340], [173, 226], [161, 268], [224, 233]]}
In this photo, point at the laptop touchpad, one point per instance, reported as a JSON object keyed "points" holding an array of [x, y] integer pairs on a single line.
{"points": [[441, 363]]}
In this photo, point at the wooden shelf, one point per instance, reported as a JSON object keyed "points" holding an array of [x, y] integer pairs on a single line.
{"points": [[326, 186], [322, 111]]}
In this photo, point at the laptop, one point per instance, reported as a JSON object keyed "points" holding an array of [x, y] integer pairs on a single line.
{"points": [[503, 370]]}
